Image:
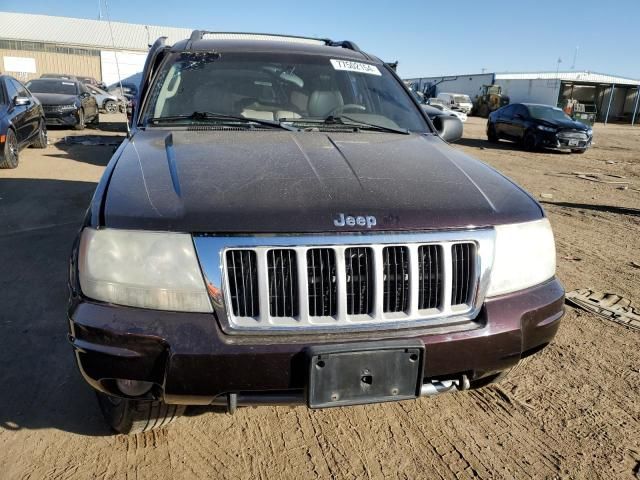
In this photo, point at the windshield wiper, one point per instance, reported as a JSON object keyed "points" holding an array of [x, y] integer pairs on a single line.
{"points": [[340, 119], [351, 122], [221, 117]]}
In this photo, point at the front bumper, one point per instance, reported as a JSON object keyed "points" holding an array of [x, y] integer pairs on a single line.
{"points": [[65, 118], [191, 361], [559, 142]]}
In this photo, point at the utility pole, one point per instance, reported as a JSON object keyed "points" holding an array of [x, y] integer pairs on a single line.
{"points": [[99, 9], [575, 56]]}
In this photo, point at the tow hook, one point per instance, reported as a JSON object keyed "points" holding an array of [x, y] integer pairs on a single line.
{"points": [[436, 387]]}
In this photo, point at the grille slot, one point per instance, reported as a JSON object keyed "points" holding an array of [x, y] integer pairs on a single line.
{"points": [[395, 261], [243, 282], [322, 281], [462, 257], [283, 283], [359, 280], [430, 277]]}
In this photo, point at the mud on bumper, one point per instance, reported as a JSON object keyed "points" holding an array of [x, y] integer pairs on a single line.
{"points": [[191, 361]]}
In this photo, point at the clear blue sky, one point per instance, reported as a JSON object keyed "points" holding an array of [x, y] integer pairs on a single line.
{"points": [[435, 38]]}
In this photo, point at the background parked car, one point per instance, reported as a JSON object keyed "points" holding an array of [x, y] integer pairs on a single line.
{"points": [[435, 103], [21, 121], [92, 81], [61, 76], [456, 101], [106, 101], [537, 126], [435, 114], [129, 91], [65, 102]]}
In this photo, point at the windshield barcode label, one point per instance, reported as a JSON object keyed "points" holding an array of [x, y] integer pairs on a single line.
{"points": [[348, 66]]}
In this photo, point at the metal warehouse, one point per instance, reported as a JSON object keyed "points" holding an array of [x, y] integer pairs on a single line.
{"points": [[610, 97], [31, 45]]}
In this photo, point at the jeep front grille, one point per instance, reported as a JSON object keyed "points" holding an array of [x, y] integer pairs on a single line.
{"points": [[292, 285]]}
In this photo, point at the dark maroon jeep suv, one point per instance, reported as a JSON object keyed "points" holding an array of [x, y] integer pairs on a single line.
{"points": [[284, 225]]}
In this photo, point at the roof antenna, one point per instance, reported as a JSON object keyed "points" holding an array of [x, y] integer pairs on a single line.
{"points": [[115, 54]]}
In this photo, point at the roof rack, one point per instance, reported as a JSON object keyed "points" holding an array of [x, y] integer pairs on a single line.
{"points": [[199, 35]]}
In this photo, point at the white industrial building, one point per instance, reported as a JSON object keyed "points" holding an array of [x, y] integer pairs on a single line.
{"points": [[615, 98], [31, 45]]}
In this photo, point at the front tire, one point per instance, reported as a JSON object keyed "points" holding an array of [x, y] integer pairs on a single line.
{"points": [[110, 106], [9, 157], [130, 416], [42, 137], [80, 125], [530, 142], [492, 135]]}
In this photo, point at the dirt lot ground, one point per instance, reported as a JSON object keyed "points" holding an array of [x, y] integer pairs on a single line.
{"points": [[573, 413]]}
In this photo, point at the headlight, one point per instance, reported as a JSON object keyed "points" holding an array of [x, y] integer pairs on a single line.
{"points": [[525, 255], [142, 269], [546, 129], [590, 132]]}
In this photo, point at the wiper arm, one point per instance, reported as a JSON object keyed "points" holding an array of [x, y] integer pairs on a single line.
{"points": [[340, 119], [222, 116]]}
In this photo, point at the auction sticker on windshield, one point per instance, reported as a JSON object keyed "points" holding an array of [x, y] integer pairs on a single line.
{"points": [[349, 66]]}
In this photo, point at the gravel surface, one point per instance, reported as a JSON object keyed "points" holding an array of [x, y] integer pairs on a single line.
{"points": [[573, 412]]}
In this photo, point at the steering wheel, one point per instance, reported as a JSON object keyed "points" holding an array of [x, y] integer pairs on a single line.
{"points": [[344, 108]]}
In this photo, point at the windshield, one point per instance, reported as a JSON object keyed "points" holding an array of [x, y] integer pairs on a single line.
{"points": [[542, 112], [461, 99], [52, 86], [281, 87]]}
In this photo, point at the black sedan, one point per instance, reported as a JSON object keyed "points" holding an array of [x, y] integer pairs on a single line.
{"points": [[65, 102], [538, 126], [21, 121]]}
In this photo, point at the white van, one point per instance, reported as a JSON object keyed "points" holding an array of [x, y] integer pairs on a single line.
{"points": [[456, 101]]}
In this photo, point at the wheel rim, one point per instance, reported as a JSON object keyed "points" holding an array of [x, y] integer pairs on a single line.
{"points": [[13, 148], [111, 107], [44, 135]]}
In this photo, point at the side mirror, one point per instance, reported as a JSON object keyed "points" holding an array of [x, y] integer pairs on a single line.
{"points": [[449, 128], [85, 95], [21, 101]]}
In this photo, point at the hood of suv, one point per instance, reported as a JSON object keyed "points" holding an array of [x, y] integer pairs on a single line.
{"points": [[266, 181], [55, 98]]}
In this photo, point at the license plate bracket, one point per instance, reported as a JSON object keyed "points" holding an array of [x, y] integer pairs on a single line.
{"points": [[574, 143], [355, 374]]}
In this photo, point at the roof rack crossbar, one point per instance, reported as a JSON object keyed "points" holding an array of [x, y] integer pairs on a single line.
{"points": [[199, 35], [343, 44]]}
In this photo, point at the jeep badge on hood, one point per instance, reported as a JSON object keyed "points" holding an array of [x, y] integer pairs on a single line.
{"points": [[349, 221]]}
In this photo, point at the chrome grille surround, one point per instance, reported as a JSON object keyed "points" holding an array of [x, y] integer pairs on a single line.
{"points": [[211, 250], [573, 135]]}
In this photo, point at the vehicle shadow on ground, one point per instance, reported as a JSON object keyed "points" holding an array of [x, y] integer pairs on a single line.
{"points": [[40, 386], [596, 208], [501, 145], [98, 155]]}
